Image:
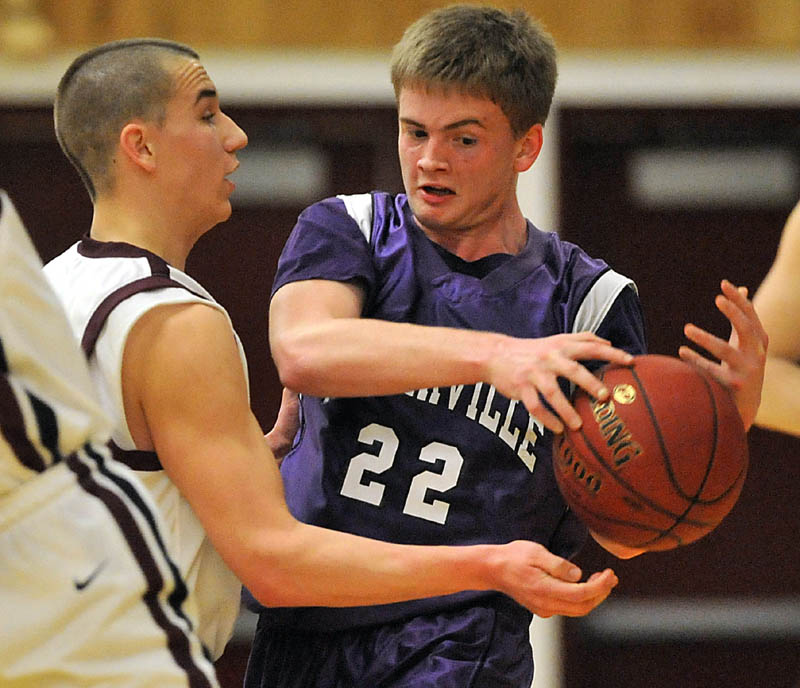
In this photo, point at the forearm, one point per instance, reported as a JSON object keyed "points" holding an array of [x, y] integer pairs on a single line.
{"points": [[780, 401], [309, 566], [325, 568], [285, 562], [362, 356]]}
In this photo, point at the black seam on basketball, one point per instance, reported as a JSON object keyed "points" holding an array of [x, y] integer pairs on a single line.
{"points": [[662, 534], [736, 481], [658, 508], [664, 452], [714, 445], [693, 500]]}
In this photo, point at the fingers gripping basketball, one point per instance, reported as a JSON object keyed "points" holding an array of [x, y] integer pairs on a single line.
{"points": [[661, 462]]}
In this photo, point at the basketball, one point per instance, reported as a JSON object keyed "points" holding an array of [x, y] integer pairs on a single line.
{"points": [[661, 462]]}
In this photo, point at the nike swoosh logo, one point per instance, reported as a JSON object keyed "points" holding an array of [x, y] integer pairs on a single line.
{"points": [[82, 584]]}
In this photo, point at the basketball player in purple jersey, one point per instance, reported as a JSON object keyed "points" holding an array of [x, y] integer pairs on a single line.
{"points": [[433, 336]]}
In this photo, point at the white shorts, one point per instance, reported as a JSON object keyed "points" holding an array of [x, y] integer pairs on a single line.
{"points": [[87, 595]]}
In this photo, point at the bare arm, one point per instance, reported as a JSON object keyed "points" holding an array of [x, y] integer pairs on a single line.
{"points": [[183, 372], [323, 347], [778, 304]]}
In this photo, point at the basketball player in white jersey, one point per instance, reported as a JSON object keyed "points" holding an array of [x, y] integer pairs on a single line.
{"points": [[88, 594], [141, 122]]}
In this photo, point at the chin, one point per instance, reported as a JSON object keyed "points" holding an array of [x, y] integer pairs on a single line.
{"points": [[216, 218], [225, 212], [437, 224]]}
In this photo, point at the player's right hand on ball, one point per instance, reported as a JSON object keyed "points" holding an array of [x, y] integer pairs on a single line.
{"points": [[548, 584], [529, 369]]}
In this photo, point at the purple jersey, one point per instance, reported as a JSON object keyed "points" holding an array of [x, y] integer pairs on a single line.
{"points": [[448, 465]]}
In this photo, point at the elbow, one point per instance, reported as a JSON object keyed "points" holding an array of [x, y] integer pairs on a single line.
{"points": [[273, 561], [279, 588], [267, 592], [295, 364]]}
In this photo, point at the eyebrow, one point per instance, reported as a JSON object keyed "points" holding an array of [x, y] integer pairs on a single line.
{"points": [[205, 93], [454, 125]]}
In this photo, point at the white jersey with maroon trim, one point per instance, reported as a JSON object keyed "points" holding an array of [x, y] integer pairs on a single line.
{"points": [[105, 288], [88, 591]]}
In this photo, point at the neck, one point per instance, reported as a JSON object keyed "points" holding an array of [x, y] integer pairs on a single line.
{"points": [[508, 234], [142, 227]]}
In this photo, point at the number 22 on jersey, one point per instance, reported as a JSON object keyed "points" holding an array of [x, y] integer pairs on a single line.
{"points": [[417, 504]]}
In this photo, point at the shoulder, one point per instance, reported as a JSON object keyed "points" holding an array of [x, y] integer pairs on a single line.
{"points": [[364, 211], [587, 283], [561, 249], [187, 341], [192, 321], [565, 259], [84, 276]]}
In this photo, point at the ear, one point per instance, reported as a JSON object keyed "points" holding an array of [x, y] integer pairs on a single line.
{"points": [[529, 145], [136, 145]]}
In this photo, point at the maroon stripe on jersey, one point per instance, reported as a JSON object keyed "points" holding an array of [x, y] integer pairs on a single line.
{"points": [[98, 319], [177, 640], [136, 459], [91, 248], [158, 266], [12, 425], [159, 279]]}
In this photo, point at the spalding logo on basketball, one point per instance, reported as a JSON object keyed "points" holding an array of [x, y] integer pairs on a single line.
{"points": [[659, 463]]}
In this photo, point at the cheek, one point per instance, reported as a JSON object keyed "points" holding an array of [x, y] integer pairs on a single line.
{"points": [[499, 167], [404, 153], [407, 163]]}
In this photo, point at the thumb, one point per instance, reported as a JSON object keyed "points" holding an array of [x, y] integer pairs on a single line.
{"points": [[560, 568]]}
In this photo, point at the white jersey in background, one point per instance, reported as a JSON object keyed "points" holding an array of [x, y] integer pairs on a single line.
{"points": [[88, 593]]}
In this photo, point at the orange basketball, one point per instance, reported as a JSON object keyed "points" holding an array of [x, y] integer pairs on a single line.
{"points": [[661, 462]]}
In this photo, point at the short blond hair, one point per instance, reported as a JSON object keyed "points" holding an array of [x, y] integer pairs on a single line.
{"points": [[505, 56]]}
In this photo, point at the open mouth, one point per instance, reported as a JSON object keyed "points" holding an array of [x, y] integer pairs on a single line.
{"points": [[438, 190]]}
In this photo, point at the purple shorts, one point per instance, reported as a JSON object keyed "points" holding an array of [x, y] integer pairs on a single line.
{"points": [[481, 646]]}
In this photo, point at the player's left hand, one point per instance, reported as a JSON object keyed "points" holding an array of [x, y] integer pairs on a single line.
{"points": [[742, 358], [281, 437]]}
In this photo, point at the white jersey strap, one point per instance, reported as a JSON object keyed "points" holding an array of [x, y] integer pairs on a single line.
{"points": [[599, 299], [359, 207]]}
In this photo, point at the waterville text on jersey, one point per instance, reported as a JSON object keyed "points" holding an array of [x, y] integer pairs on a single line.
{"points": [[491, 410]]}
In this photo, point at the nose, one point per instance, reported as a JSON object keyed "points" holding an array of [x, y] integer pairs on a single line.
{"points": [[432, 156], [235, 137]]}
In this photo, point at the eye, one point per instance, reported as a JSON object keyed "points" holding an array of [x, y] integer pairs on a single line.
{"points": [[209, 116], [467, 140]]}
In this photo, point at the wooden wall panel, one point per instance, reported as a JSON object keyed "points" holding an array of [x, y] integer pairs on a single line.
{"points": [[672, 24], [778, 22], [377, 24], [76, 22]]}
